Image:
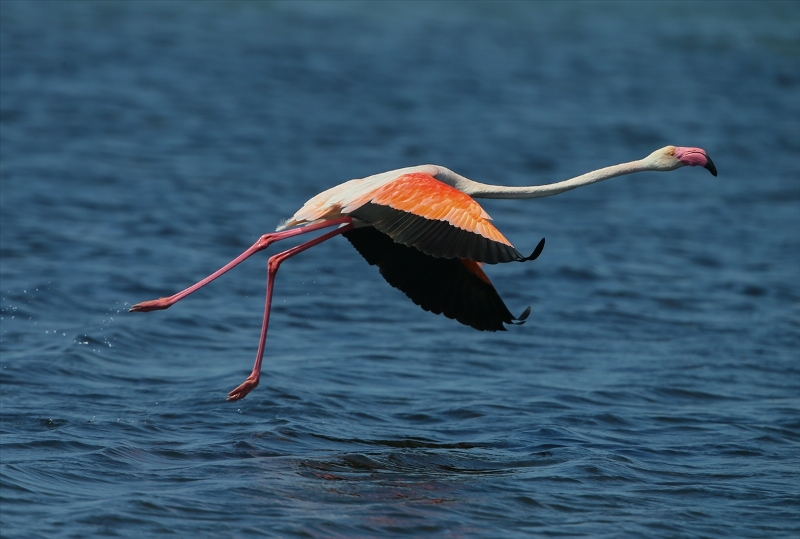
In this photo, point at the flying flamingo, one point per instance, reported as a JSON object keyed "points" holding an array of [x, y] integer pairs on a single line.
{"points": [[428, 236]]}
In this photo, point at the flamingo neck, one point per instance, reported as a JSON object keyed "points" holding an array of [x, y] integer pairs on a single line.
{"points": [[481, 190]]}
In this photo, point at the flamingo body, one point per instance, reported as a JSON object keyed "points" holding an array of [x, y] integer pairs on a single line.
{"points": [[343, 198], [414, 208], [428, 240]]}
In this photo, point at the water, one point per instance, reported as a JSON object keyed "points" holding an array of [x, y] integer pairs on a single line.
{"points": [[654, 391]]}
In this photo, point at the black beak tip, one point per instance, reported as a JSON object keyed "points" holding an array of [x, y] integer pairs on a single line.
{"points": [[710, 166]]}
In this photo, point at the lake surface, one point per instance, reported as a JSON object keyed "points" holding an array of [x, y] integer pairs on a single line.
{"points": [[653, 392]]}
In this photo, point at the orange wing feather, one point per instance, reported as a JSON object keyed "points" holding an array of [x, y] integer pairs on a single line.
{"points": [[425, 196], [419, 211]]}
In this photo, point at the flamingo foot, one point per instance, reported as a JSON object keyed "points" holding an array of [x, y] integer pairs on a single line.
{"points": [[152, 305], [241, 392]]}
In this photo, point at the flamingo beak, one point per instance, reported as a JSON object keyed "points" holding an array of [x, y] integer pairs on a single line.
{"points": [[710, 166], [694, 157]]}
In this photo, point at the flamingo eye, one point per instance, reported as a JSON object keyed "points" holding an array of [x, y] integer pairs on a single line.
{"points": [[672, 151]]}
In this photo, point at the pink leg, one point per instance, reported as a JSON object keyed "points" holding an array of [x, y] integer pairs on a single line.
{"points": [[272, 269], [263, 242]]}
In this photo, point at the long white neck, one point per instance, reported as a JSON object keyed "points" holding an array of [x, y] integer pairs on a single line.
{"points": [[482, 190]]}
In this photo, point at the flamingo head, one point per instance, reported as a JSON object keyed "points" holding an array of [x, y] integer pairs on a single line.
{"points": [[672, 157]]}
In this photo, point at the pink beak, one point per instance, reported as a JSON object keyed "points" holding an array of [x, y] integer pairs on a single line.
{"points": [[695, 157]]}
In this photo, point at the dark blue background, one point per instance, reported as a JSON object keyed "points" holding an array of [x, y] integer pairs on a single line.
{"points": [[654, 391]]}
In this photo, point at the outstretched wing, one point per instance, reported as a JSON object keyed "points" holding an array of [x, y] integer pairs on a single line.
{"points": [[457, 288], [417, 210]]}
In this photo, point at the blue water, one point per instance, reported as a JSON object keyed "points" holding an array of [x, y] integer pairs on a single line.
{"points": [[653, 392]]}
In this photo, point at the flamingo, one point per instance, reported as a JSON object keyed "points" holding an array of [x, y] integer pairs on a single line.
{"points": [[428, 236]]}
